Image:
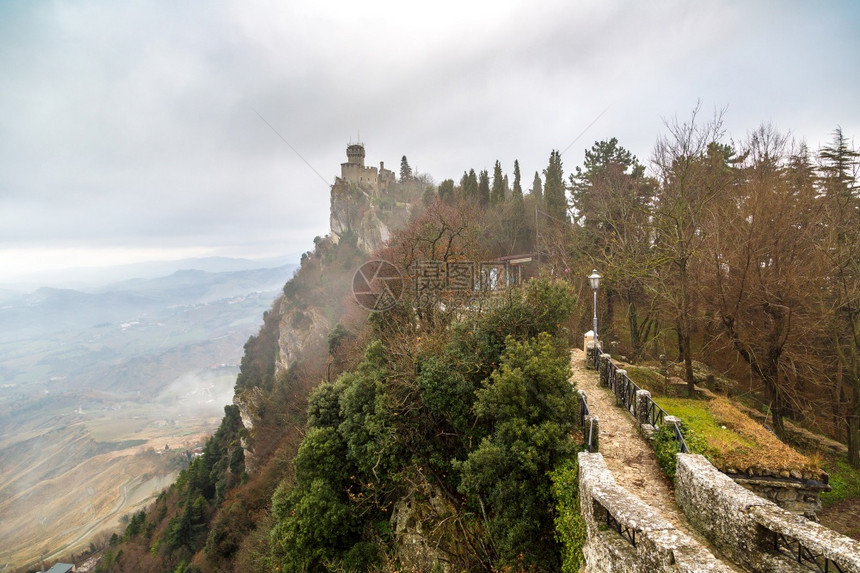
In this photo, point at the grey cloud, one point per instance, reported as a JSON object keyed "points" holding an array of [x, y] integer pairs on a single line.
{"points": [[134, 123]]}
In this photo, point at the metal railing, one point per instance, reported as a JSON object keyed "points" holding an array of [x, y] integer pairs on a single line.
{"points": [[589, 433], [656, 414], [625, 531], [682, 443], [796, 551], [625, 391], [583, 410]]}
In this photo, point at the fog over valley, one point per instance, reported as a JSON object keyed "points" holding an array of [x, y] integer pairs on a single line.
{"points": [[104, 392]]}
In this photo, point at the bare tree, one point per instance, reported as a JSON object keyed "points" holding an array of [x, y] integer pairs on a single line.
{"points": [[761, 253], [688, 164]]}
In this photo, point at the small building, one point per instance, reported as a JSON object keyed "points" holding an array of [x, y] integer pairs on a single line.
{"points": [[62, 568], [518, 268]]}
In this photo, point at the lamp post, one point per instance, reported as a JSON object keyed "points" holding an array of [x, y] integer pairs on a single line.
{"points": [[594, 279]]}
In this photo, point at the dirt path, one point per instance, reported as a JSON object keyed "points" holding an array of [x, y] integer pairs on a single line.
{"points": [[628, 455]]}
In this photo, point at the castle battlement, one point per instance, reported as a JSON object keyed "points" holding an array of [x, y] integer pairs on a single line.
{"points": [[370, 179]]}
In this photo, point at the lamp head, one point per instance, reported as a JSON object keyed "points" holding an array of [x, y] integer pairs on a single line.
{"points": [[594, 279]]}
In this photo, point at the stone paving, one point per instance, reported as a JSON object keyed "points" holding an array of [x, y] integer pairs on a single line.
{"points": [[627, 454]]}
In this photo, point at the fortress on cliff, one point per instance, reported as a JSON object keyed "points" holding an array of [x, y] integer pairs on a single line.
{"points": [[354, 174], [365, 201]]}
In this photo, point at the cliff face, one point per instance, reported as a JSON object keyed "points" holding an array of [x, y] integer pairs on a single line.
{"points": [[249, 402], [300, 321], [356, 215], [297, 328]]}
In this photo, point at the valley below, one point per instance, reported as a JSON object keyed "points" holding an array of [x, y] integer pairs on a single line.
{"points": [[105, 395]]}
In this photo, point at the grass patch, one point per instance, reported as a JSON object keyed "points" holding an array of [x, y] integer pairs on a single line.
{"points": [[653, 381], [647, 378], [844, 480], [733, 440]]}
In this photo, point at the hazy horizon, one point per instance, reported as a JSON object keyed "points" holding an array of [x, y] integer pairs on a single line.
{"points": [[96, 276]]}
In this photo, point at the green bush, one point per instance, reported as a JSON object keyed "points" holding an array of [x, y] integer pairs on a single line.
{"points": [[666, 447], [485, 412], [569, 523], [529, 404]]}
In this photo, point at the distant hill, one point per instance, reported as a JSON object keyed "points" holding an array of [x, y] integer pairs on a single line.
{"points": [[50, 309], [84, 278]]}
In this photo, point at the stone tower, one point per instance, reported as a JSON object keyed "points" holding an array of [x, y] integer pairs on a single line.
{"points": [[355, 154]]}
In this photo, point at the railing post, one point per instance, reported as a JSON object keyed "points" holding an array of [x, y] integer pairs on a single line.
{"points": [[589, 356], [643, 403], [620, 387], [604, 369]]}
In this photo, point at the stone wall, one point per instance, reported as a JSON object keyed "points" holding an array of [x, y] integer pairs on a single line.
{"points": [[748, 528], [650, 544], [798, 495]]}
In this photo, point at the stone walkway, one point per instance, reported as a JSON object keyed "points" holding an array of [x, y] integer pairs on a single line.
{"points": [[628, 455]]}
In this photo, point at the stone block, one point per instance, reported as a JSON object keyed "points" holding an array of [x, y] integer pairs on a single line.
{"points": [[588, 340], [643, 402], [820, 540], [647, 431]]}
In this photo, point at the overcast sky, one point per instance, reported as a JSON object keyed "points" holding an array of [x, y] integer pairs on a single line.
{"points": [[129, 130]]}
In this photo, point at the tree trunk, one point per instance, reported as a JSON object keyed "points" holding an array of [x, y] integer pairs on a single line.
{"points": [[687, 354], [633, 325], [777, 410], [609, 316], [688, 365], [854, 428]]}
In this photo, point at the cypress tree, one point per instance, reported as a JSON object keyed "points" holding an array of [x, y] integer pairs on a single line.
{"points": [[517, 192], [484, 188], [498, 194], [537, 187], [556, 198], [405, 170], [470, 185], [446, 191]]}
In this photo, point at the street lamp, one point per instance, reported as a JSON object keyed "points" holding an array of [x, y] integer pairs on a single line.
{"points": [[594, 279]]}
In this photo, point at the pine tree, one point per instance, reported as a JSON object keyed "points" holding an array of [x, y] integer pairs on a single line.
{"points": [[498, 193], [405, 170], [840, 247], [839, 164], [556, 199], [518, 190], [484, 187]]}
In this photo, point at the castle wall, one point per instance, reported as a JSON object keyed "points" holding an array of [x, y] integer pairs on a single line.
{"points": [[365, 177]]}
